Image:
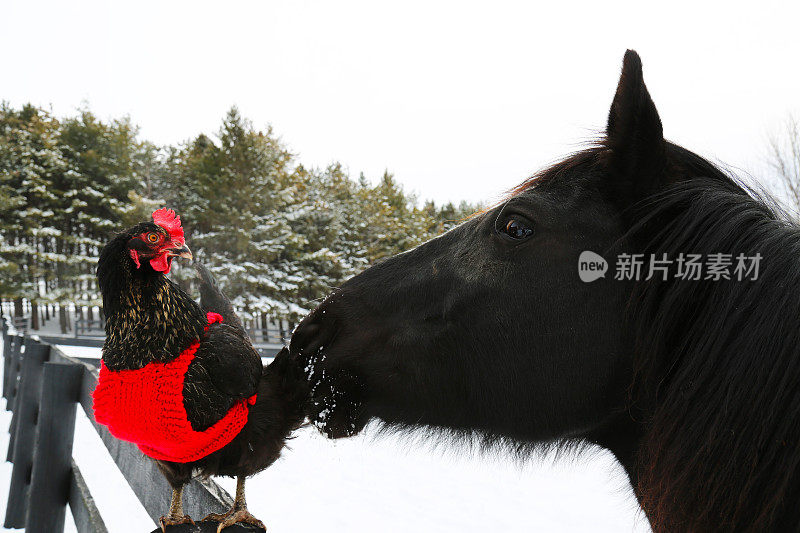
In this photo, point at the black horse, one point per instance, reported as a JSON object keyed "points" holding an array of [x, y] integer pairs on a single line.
{"points": [[489, 331]]}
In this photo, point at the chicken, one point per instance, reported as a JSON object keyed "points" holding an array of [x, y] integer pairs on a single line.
{"points": [[183, 381]]}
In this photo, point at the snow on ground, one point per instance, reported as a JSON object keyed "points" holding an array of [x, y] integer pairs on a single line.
{"points": [[390, 484], [393, 484], [118, 505], [79, 351]]}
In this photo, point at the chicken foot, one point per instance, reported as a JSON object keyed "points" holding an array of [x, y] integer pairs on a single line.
{"points": [[175, 515], [238, 512]]}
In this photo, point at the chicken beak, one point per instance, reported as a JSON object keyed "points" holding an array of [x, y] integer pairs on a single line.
{"points": [[183, 251]]}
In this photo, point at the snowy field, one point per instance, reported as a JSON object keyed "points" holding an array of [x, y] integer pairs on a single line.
{"points": [[389, 484]]}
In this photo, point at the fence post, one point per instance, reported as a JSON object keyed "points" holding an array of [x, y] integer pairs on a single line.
{"points": [[14, 385], [8, 343], [52, 450], [15, 389], [13, 372], [26, 413]]}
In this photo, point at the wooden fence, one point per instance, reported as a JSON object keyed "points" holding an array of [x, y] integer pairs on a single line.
{"points": [[43, 388], [266, 339], [90, 328], [84, 324]]}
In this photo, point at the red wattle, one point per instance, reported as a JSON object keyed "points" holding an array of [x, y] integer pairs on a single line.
{"points": [[135, 257], [160, 263], [145, 406]]}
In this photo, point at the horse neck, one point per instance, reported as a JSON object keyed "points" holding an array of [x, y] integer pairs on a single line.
{"points": [[718, 367]]}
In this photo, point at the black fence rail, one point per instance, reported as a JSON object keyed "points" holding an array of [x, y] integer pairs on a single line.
{"points": [[90, 328], [268, 340], [43, 388]]}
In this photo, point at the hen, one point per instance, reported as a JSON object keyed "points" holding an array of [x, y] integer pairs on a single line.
{"points": [[182, 381]]}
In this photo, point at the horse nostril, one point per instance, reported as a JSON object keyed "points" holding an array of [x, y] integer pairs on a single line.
{"points": [[303, 336], [317, 329], [314, 332]]}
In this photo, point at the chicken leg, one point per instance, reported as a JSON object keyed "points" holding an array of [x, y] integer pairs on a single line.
{"points": [[175, 515], [238, 513]]}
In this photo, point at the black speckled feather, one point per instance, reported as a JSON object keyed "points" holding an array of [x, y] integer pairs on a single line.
{"points": [[226, 367]]}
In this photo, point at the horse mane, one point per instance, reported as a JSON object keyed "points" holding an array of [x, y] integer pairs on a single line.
{"points": [[717, 362], [587, 159]]}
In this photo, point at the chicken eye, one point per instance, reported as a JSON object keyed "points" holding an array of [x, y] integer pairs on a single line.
{"points": [[517, 229], [153, 238]]}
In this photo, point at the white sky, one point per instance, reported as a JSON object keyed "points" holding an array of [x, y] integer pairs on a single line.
{"points": [[460, 100]]}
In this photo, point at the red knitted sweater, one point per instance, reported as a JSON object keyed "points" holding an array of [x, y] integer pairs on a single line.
{"points": [[145, 406]]}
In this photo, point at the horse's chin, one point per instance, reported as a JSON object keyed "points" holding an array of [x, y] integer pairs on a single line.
{"points": [[336, 402], [339, 423]]}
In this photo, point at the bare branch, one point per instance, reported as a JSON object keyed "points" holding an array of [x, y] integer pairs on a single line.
{"points": [[784, 159]]}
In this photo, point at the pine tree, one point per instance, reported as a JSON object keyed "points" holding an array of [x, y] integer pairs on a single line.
{"points": [[31, 166], [278, 236], [238, 197], [97, 193]]}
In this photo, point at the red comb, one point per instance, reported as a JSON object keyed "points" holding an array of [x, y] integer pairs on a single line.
{"points": [[167, 219]]}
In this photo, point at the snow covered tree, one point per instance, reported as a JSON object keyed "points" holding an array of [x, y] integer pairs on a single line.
{"points": [[237, 198], [98, 192], [393, 222], [31, 166], [448, 216], [277, 235], [65, 187]]}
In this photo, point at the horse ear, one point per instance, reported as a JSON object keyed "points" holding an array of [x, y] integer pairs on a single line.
{"points": [[634, 137]]}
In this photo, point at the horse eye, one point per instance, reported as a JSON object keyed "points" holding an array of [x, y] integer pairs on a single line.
{"points": [[517, 229], [153, 238]]}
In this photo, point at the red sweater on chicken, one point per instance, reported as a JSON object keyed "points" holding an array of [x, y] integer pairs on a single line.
{"points": [[145, 406]]}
